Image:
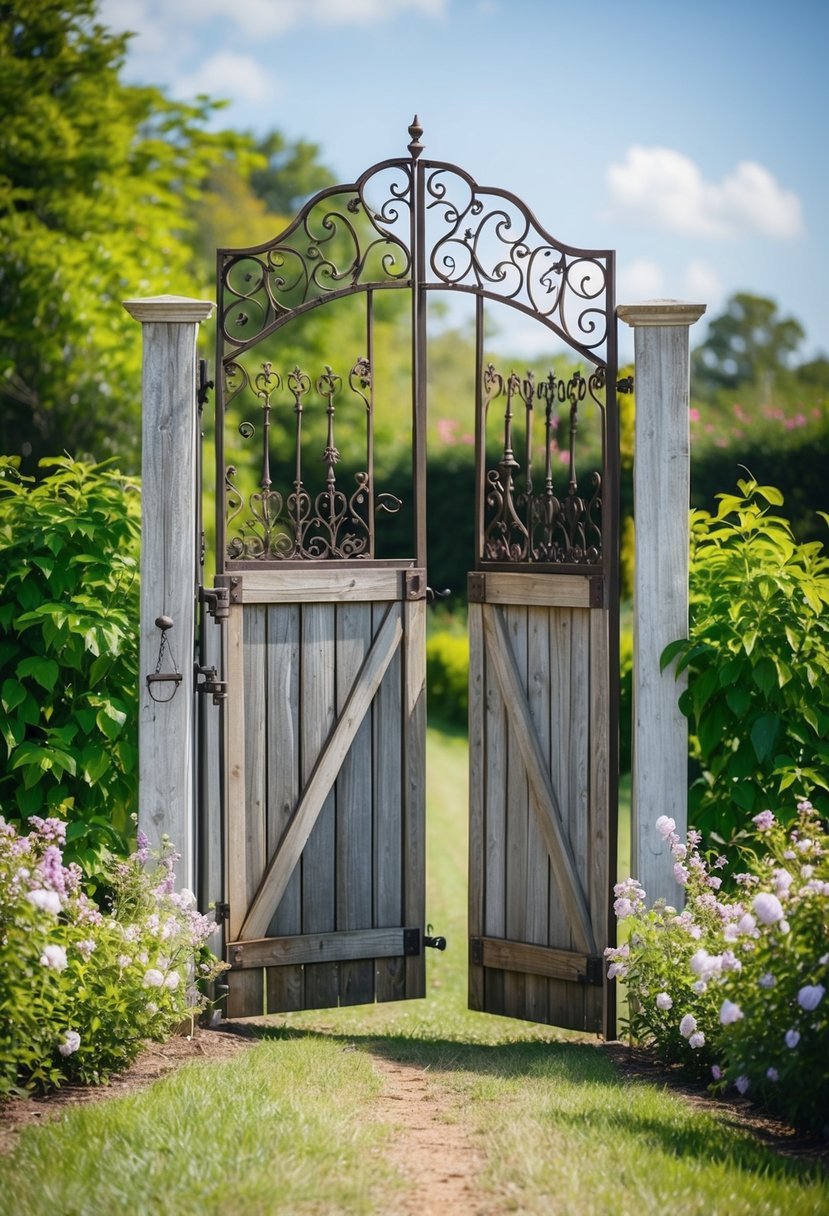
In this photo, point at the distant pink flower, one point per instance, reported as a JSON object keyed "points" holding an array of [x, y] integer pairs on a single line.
{"points": [[810, 996], [772, 1074], [665, 826], [716, 1072], [767, 908], [742, 1084], [696, 1040], [694, 414], [764, 821], [688, 1025], [663, 1001], [70, 1044], [730, 1012]]}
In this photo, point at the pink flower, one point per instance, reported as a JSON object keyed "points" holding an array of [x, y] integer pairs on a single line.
{"points": [[688, 1025], [764, 821], [696, 1040], [665, 826], [54, 957], [730, 1012], [716, 1072], [70, 1044], [772, 1074], [742, 1084], [810, 996], [663, 1001], [767, 908]]}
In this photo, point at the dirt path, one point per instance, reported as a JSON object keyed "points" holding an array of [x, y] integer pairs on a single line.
{"points": [[430, 1145]]}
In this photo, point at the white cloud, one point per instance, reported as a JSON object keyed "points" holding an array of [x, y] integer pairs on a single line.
{"points": [[664, 188], [641, 279], [702, 285], [229, 75]]}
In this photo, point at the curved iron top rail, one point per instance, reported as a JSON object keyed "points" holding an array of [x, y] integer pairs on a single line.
{"points": [[407, 222]]}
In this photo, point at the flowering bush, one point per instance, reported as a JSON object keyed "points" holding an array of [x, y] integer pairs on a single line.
{"points": [[734, 986], [80, 989]]}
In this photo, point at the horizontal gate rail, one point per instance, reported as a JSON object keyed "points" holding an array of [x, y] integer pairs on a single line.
{"points": [[345, 946], [502, 955]]}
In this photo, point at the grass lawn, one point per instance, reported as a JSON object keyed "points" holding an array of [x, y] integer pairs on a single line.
{"points": [[286, 1126]]}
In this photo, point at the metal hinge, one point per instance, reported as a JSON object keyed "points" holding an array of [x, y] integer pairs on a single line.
{"points": [[221, 910], [217, 599], [476, 588], [204, 386], [414, 582], [211, 685], [597, 592], [476, 952], [411, 941], [593, 971]]}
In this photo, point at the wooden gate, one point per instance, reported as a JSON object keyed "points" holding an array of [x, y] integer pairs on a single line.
{"points": [[324, 709]]}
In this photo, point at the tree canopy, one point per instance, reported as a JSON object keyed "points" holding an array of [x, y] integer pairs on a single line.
{"points": [[97, 181], [749, 342]]}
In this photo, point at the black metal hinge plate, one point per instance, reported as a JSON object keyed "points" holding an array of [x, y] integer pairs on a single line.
{"points": [[411, 942]]}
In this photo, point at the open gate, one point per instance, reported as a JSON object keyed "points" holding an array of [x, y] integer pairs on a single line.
{"points": [[324, 717]]}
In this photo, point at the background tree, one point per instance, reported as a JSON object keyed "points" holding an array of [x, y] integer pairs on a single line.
{"points": [[748, 343], [97, 181]]}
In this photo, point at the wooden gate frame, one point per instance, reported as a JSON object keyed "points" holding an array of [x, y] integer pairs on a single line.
{"points": [[488, 245]]}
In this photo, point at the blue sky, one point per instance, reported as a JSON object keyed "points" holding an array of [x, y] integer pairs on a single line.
{"points": [[689, 137]]}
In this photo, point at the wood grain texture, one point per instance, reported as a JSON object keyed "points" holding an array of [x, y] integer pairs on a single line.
{"points": [[477, 798], [285, 985], [513, 621], [661, 499], [538, 865], [542, 796], [493, 877], [387, 759], [540, 590], [325, 743], [601, 858], [306, 948], [534, 960], [414, 798], [355, 872], [316, 585]]}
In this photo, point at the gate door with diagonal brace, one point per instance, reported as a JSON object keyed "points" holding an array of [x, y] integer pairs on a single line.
{"points": [[324, 652]]}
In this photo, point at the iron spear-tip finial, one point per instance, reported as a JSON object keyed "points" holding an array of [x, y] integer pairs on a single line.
{"points": [[415, 130]]}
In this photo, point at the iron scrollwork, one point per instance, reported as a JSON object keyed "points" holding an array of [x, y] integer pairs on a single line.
{"points": [[538, 524], [270, 526]]}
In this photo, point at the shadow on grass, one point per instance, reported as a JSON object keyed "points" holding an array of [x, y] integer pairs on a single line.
{"points": [[602, 1101]]}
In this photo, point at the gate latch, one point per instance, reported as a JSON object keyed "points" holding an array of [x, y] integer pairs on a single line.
{"points": [[210, 684], [217, 599]]}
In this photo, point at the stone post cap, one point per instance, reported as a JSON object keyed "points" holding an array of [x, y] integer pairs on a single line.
{"points": [[169, 308], [660, 312]]}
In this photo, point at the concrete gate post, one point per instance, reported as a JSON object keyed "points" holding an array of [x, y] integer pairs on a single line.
{"points": [[661, 491], [168, 571]]}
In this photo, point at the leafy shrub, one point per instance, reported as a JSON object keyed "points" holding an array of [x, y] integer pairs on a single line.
{"points": [[447, 676], [81, 990], [69, 652], [735, 985], [757, 657]]}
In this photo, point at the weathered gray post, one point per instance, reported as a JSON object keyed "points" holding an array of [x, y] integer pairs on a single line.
{"points": [[661, 493], [168, 565]]}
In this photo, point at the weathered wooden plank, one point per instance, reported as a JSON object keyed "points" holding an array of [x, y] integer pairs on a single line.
{"points": [[514, 621], [306, 948], [285, 985], [539, 590], [577, 814], [245, 993], [390, 979], [321, 756], [542, 796], [561, 727], [318, 584], [494, 875], [414, 796], [354, 805], [601, 865], [477, 797], [528, 959], [538, 866], [312, 830]]}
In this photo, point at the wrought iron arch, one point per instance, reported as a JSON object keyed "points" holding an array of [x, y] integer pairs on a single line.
{"points": [[421, 225]]}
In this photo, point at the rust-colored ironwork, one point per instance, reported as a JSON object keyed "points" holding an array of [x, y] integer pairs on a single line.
{"points": [[421, 226], [527, 522]]}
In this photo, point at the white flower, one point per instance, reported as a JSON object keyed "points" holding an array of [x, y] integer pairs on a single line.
{"points": [[706, 966], [772, 1074], [679, 851], [622, 908], [746, 923], [699, 986], [767, 980], [151, 1007], [187, 898], [687, 1026], [123, 960], [810, 996], [696, 1040], [783, 926], [47, 901], [680, 873], [171, 981], [730, 1012], [153, 978], [767, 908], [663, 1001], [70, 1044], [716, 1072], [742, 1084], [824, 959], [807, 871], [665, 826], [792, 1038], [803, 846], [54, 957]]}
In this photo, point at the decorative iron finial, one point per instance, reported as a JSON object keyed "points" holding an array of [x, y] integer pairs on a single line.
{"points": [[415, 130]]}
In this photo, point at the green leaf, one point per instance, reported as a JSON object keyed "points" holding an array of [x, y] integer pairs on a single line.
{"points": [[764, 734], [12, 694], [44, 671], [738, 701]]}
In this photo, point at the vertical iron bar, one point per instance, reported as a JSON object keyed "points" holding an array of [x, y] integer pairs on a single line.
{"points": [[370, 418], [528, 387], [219, 427], [611, 507], [418, 360], [480, 431]]}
